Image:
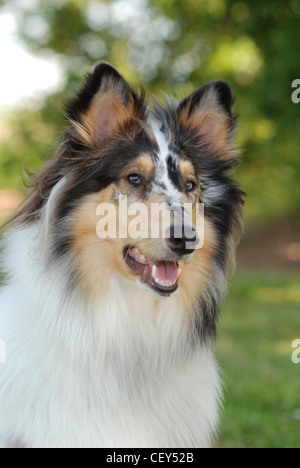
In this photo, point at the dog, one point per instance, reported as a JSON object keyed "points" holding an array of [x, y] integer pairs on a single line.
{"points": [[109, 339]]}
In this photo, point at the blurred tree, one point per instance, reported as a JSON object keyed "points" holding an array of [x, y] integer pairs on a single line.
{"points": [[176, 46]]}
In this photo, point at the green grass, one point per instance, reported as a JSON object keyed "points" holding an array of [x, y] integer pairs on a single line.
{"points": [[260, 321]]}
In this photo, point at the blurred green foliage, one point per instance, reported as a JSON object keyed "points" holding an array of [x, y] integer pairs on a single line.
{"points": [[259, 324], [176, 46]]}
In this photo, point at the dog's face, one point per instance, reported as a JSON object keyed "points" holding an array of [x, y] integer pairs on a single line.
{"points": [[150, 229], [170, 158]]}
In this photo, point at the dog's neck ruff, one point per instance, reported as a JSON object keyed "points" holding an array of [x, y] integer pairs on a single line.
{"points": [[127, 362]]}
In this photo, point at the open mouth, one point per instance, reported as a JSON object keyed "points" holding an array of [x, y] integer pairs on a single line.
{"points": [[161, 276]]}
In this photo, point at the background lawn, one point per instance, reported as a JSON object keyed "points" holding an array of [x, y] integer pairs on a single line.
{"points": [[262, 399]]}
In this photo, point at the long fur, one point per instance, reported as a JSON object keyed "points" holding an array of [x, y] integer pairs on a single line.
{"points": [[93, 359]]}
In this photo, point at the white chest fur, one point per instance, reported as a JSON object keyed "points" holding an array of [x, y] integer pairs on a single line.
{"points": [[119, 372]]}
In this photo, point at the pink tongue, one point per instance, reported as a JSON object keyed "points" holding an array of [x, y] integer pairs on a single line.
{"points": [[165, 271]]}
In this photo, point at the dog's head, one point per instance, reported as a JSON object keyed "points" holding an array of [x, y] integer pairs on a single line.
{"points": [[144, 191]]}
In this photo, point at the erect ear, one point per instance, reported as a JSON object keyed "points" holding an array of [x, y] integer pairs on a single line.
{"points": [[208, 113], [103, 105]]}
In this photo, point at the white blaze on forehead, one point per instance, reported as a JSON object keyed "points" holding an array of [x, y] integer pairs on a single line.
{"points": [[162, 175]]}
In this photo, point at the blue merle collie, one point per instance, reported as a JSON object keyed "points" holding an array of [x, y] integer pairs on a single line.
{"points": [[109, 340]]}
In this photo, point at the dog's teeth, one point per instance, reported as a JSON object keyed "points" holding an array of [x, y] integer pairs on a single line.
{"points": [[165, 284], [179, 272], [139, 255]]}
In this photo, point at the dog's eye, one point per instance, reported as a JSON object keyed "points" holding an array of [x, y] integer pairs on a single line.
{"points": [[135, 179], [190, 185]]}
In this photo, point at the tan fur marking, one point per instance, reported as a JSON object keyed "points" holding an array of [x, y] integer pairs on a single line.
{"points": [[188, 173], [116, 113], [97, 258], [144, 163], [196, 275], [104, 116], [186, 168], [233, 242], [211, 124]]}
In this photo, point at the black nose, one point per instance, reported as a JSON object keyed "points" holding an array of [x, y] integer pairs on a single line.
{"points": [[182, 240]]}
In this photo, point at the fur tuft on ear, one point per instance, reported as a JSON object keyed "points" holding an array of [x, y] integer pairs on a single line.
{"points": [[104, 104], [208, 113]]}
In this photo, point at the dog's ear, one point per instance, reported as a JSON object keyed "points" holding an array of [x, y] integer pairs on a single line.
{"points": [[104, 104], [208, 113]]}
